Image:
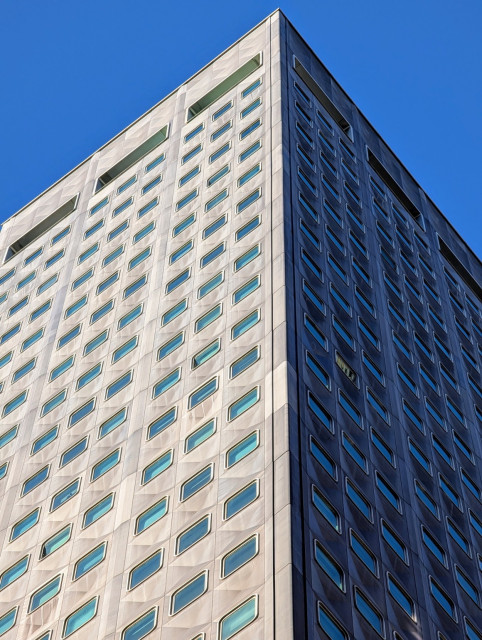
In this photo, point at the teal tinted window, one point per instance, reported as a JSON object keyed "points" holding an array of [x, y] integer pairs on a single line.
{"points": [[40, 310], [243, 404], [249, 175], [98, 510], [14, 572], [216, 200], [190, 154], [197, 482], [141, 627], [61, 368], [161, 423], [142, 234], [182, 251], [250, 150], [73, 452], [219, 152], [96, 342], [80, 413], [329, 566], [89, 376], [83, 278], [140, 257], [190, 592], [105, 465], [54, 259], [238, 619], [145, 569], [91, 230], [6, 359], [192, 535], [105, 284], [99, 206], [207, 318], [187, 222], [235, 559], [25, 524], [218, 175], [206, 354], [222, 110], [245, 324], [248, 288], [65, 494], [189, 176], [118, 230], [10, 333], [186, 200], [15, 403], [199, 436], [170, 346], [157, 467], [126, 348], [129, 317], [56, 541], [202, 393], [178, 280], [118, 385], [242, 449], [89, 561], [135, 286], [80, 617], [8, 436], [246, 258], [193, 132], [152, 515], [8, 620], [215, 226], [102, 311], [244, 362], [252, 127], [150, 185], [88, 252], [126, 184], [240, 500], [3, 470], [35, 480], [63, 340], [18, 306], [219, 132], [210, 285], [113, 255], [244, 204], [166, 383], [46, 593], [45, 440], [112, 423]]}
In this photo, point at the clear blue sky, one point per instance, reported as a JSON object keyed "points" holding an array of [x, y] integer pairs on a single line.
{"points": [[75, 72]]}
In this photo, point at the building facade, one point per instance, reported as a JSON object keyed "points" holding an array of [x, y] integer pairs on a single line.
{"points": [[240, 379]]}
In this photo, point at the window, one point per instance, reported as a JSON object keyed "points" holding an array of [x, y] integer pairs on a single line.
{"points": [[79, 618], [117, 231], [98, 510], [388, 492], [35, 480], [118, 385], [24, 524], [361, 550], [358, 500], [196, 532], [209, 317], [157, 467], [189, 592], [113, 255], [124, 349], [424, 497], [323, 458], [329, 566], [65, 494], [102, 311], [215, 226], [212, 255], [56, 541], [44, 594], [432, 544], [151, 515], [105, 465], [239, 556], [330, 626], [449, 491], [217, 114], [197, 482], [178, 281], [199, 436], [150, 185], [249, 129], [222, 130], [245, 324], [7, 621], [90, 375], [184, 224], [79, 414], [394, 542], [112, 423], [122, 207], [315, 332], [189, 176], [242, 449], [210, 285], [243, 404], [73, 452], [240, 500], [89, 561], [173, 313], [442, 598], [400, 595], [246, 202], [193, 132], [247, 257], [44, 440], [206, 354], [145, 569], [8, 436], [354, 414], [219, 152], [419, 456], [249, 151], [369, 612], [354, 452], [238, 619], [458, 537], [326, 509], [322, 415], [247, 360], [17, 402], [170, 346], [14, 572]]}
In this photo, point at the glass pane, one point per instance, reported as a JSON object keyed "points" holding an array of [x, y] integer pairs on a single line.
{"points": [[199, 436], [12, 574], [97, 511], [189, 593], [241, 500], [45, 594], [193, 534], [157, 467], [197, 482], [89, 561], [80, 617], [141, 627], [56, 541], [238, 619], [152, 515], [161, 423], [145, 569], [105, 465], [242, 449], [239, 556]]}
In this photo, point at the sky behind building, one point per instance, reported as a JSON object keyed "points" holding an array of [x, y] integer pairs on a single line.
{"points": [[74, 74]]}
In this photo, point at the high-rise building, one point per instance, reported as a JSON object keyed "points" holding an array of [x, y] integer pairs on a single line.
{"points": [[240, 378]]}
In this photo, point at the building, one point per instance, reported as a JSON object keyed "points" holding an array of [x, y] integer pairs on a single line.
{"points": [[240, 378]]}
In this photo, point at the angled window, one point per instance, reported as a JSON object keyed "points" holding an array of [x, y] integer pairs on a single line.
{"points": [[369, 612], [89, 561], [145, 569], [98, 510], [14, 572], [23, 525], [161, 423], [151, 516], [197, 482], [239, 556], [80, 617], [189, 592], [196, 532], [155, 468], [106, 464], [238, 619], [34, 481], [65, 494], [240, 500], [74, 451], [44, 594], [56, 541]]}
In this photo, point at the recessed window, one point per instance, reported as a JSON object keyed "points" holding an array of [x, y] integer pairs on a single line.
{"points": [[20, 399], [98, 510], [240, 500], [394, 541], [196, 532], [106, 464], [322, 415], [442, 598], [369, 612], [323, 458], [210, 285], [45, 440], [209, 317], [126, 348], [157, 467], [118, 385], [189, 176], [112, 423], [222, 130], [330, 626], [400, 595], [242, 449], [56, 541], [172, 313], [218, 175], [359, 501], [113, 255], [34, 481], [80, 413], [243, 404], [44, 594], [245, 324], [73, 452], [89, 561], [170, 346], [363, 552], [247, 360], [81, 617], [65, 494], [151, 515], [424, 497], [199, 436], [238, 619], [122, 207], [96, 342], [102, 311], [326, 509], [194, 132], [145, 570], [388, 492], [14, 572], [206, 354], [239, 556], [189, 592], [435, 548], [23, 525], [197, 482], [166, 383], [184, 224], [178, 281], [329, 566]]}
